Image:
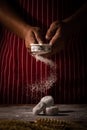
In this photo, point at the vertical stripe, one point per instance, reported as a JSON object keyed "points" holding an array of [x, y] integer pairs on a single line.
{"points": [[74, 69], [22, 74], [4, 60], [22, 63], [6, 70], [41, 70], [55, 72], [84, 63], [1, 56], [47, 27], [82, 67], [27, 57], [78, 69], [55, 58], [31, 78], [27, 77], [1, 39], [32, 57], [13, 78], [60, 76], [63, 61], [18, 69], [57, 63], [64, 76], [73, 64], [36, 60], [9, 76], [36, 81], [70, 68], [69, 57]]}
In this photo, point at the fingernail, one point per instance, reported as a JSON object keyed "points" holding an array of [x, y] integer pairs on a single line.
{"points": [[50, 43], [47, 37], [40, 43]]}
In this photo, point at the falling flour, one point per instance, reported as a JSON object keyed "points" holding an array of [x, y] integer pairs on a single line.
{"points": [[45, 60], [48, 82]]}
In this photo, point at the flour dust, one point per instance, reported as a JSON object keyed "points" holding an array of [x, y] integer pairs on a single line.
{"points": [[47, 83]]}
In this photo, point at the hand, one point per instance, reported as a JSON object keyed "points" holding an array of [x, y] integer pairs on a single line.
{"points": [[33, 35], [59, 34]]}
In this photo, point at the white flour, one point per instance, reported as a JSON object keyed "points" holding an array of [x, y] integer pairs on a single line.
{"points": [[48, 82], [45, 60]]}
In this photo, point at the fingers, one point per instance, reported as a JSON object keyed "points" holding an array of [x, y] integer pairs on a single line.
{"points": [[39, 36], [30, 38], [51, 31], [56, 36], [34, 36]]}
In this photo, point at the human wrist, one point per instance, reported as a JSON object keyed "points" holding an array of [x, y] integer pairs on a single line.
{"points": [[25, 29]]}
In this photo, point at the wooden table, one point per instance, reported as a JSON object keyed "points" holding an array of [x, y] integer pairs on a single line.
{"points": [[24, 112]]}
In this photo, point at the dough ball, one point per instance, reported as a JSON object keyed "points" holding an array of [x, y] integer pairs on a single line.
{"points": [[48, 100], [52, 110], [39, 108]]}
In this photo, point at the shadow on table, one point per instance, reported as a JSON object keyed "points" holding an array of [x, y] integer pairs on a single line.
{"points": [[64, 113], [60, 113]]}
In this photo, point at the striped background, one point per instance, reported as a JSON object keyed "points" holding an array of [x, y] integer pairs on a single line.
{"points": [[19, 71]]}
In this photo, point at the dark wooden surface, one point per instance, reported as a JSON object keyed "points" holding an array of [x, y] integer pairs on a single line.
{"points": [[24, 112]]}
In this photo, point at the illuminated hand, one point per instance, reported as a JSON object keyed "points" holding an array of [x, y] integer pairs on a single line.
{"points": [[33, 36], [59, 34]]}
